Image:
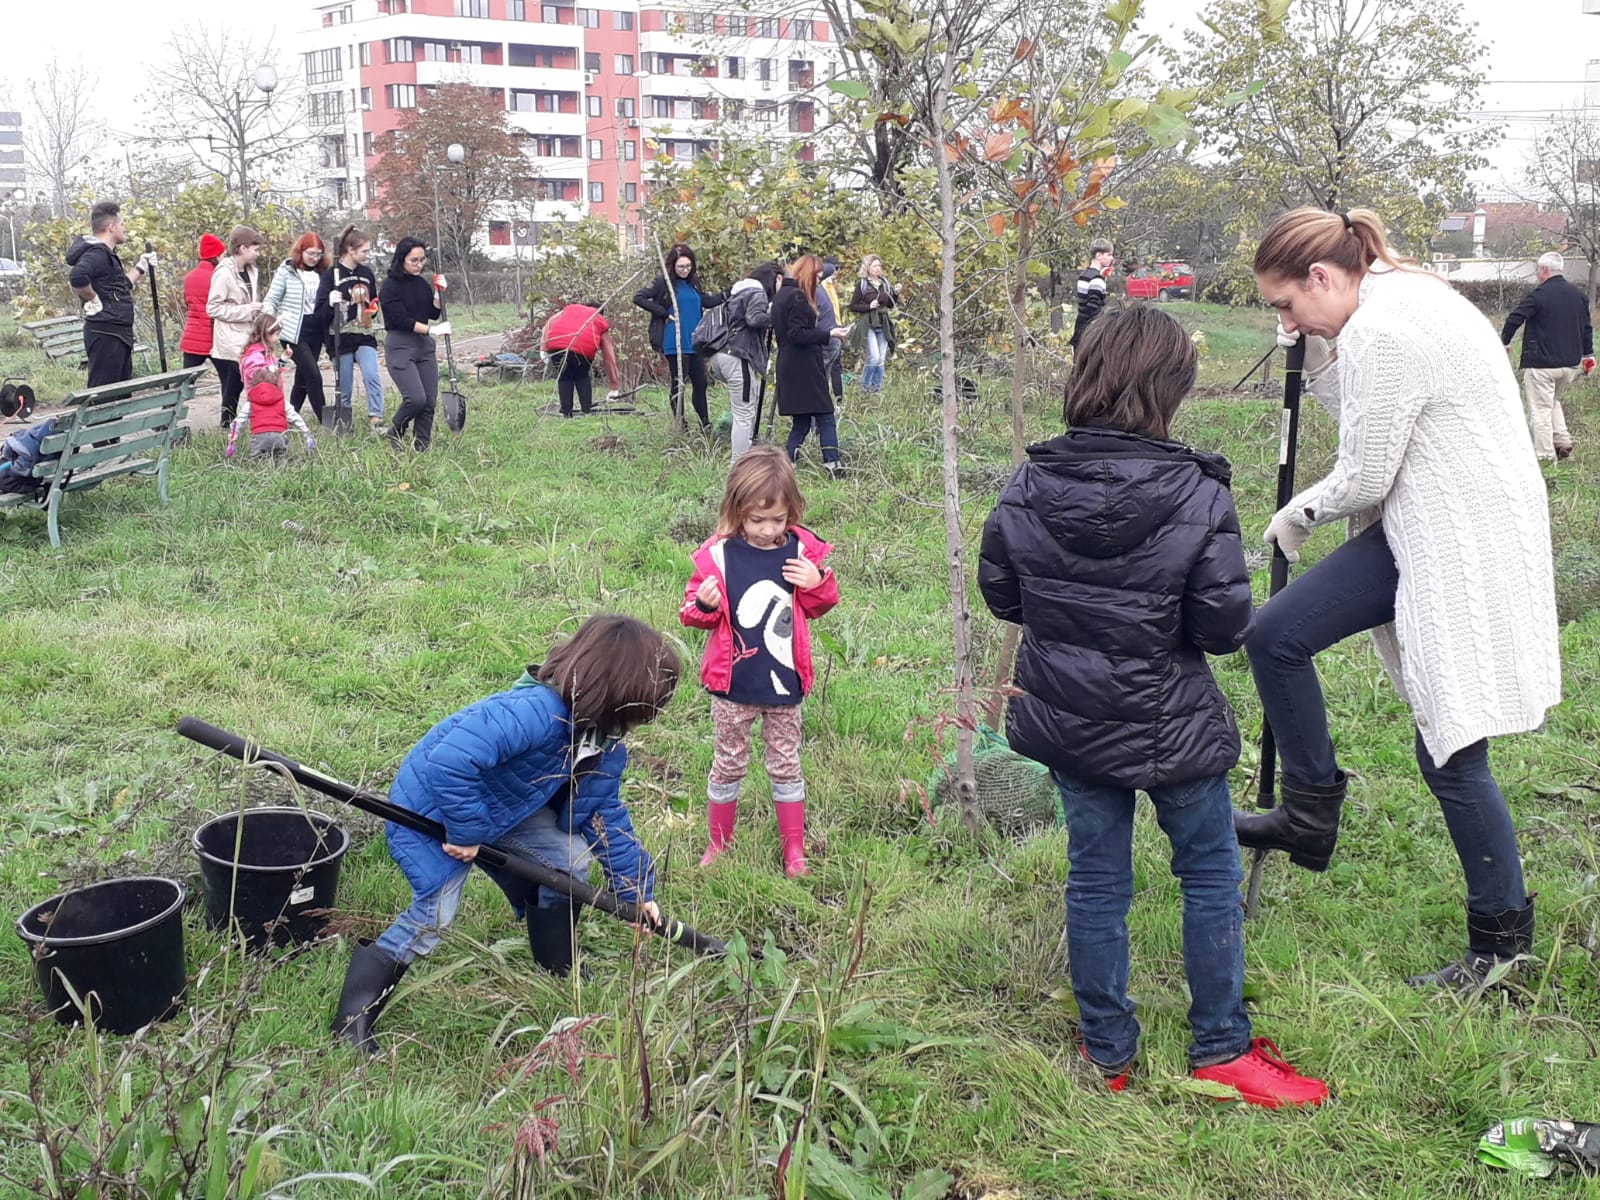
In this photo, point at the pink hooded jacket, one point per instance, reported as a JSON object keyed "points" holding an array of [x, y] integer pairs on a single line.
{"points": [[716, 665]]}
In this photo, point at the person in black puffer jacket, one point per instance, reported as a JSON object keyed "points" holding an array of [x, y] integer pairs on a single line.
{"points": [[1118, 552]]}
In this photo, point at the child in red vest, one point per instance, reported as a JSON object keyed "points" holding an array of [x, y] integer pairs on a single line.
{"points": [[263, 406], [757, 581]]}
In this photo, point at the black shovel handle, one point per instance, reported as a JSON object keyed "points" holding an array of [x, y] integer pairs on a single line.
{"points": [[155, 307], [493, 855]]}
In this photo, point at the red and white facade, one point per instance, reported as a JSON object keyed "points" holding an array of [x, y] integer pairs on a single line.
{"points": [[600, 94]]}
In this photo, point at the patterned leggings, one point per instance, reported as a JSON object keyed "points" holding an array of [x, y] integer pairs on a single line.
{"points": [[732, 726]]}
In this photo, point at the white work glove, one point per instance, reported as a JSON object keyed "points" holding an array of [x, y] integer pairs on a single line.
{"points": [[1290, 529], [92, 306], [613, 395], [336, 297], [440, 329], [147, 261], [441, 284], [1320, 353]]}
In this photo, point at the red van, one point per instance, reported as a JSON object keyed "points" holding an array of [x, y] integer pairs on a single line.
{"points": [[1163, 281]]}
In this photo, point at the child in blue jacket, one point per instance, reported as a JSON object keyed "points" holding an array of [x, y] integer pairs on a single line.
{"points": [[537, 769]]}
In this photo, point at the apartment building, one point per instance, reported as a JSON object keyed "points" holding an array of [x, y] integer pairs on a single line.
{"points": [[13, 173], [600, 95]]}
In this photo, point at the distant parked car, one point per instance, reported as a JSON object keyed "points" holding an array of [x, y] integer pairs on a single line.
{"points": [[1163, 281], [10, 268]]}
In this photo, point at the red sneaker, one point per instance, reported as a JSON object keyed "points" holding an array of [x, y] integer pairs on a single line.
{"points": [[1114, 1082], [1260, 1076]]}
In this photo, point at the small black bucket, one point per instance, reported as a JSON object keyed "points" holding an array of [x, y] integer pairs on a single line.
{"points": [[119, 944], [287, 872]]}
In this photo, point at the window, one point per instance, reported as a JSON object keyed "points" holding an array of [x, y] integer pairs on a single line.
{"points": [[800, 31], [333, 153], [516, 10], [366, 54], [366, 145], [550, 14], [591, 60], [733, 109], [596, 106], [472, 8], [734, 68], [597, 193], [622, 21], [366, 99], [767, 27], [626, 107], [801, 76], [589, 18], [630, 150], [764, 68], [322, 66], [469, 52], [398, 50], [518, 55], [766, 111], [499, 233], [435, 52], [325, 108], [702, 23], [597, 148], [622, 64], [401, 95], [630, 191]]}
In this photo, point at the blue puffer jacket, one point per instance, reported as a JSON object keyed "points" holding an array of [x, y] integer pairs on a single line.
{"points": [[484, 770]]}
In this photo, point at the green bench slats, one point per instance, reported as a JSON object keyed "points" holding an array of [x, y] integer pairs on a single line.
{"points": [[136, 420]]}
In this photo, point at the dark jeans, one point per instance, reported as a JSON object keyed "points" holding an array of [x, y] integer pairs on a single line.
{"points": [[414, 367], [1197, 818], [232, 388], [833, 360], [308, 376], [110, 358], [695, 368], [827, 434], [1351, 590], [576, 376]]}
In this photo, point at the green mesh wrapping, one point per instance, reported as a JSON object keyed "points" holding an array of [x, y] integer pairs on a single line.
{"points": [[1014, 793]]}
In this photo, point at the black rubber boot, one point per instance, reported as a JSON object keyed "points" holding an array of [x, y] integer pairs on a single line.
{"points": [[1305, 823], [553, 935], [1491, 940], [368, 983]]}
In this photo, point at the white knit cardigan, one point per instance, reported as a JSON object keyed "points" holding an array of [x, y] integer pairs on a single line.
{"points": [[1433, 441]]}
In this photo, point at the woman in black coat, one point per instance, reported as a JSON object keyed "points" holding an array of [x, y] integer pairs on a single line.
{"points": [[802, 374], [667, 301]]}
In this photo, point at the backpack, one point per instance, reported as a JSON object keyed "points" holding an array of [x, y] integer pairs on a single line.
{"points": [[20, 455], [713, 332]]}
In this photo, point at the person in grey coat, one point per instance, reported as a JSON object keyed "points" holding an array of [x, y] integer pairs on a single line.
{"points": [[743, 361]]}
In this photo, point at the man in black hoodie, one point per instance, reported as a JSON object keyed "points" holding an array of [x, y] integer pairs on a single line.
{"points": [[99, 280], [1557, 339]]}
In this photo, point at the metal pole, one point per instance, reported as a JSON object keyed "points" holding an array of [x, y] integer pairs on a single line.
{"points": [[155, 305], [1294, 361]]}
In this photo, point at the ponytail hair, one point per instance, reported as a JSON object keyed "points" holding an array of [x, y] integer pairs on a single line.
{"points": [[349, 240], [1353, 241]]}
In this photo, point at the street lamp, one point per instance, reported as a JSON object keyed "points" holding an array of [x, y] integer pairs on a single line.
{"points": [[265, 79], [457, 154]]}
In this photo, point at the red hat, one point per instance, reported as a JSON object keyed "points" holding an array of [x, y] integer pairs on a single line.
{"points": [[211, 246]]}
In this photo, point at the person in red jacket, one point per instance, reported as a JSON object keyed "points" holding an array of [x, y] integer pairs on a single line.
{"points": [[196, 343], [263, 410], [757, 580], [578, 333]]}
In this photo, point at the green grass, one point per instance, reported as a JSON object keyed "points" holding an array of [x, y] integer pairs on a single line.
{"points": [[335, 609]]}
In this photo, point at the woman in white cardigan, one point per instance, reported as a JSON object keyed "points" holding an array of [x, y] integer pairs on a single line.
{"points": [[1447, 559]]}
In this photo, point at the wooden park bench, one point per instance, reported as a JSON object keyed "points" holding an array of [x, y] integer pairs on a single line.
{"points": [[61, 339], [121, 429]]}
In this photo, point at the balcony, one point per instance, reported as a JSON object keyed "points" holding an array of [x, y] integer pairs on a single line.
{"points": [[553, 124]]}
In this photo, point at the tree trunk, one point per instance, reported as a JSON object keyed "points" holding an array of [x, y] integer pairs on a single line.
{"points": [[955, 548]]}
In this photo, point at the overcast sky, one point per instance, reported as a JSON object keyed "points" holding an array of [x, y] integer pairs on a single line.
{"points": [[1537, 50]]}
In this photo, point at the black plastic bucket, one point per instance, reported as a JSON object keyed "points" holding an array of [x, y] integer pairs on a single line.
{"points": [[119, 944], [276, 875]]}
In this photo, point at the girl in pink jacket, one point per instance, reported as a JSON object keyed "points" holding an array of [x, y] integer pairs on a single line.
{"points": [[757, 581]]}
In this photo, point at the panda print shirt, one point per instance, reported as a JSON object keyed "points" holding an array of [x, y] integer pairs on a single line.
{"points": [[761, 613]]}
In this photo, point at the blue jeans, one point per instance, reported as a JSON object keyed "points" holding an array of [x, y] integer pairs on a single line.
{"points": [[417, 931], [827, 434], [367, 356], [1351, 590], [877, 356], [1197, 818]]}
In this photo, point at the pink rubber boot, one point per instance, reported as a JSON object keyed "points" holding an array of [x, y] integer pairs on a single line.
{"points": [[789, 801], [721, 811]]}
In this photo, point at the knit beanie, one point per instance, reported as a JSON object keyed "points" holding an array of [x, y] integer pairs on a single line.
{"points": [[211, 246]]}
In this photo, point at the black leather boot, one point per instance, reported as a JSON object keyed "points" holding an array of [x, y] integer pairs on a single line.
{"points": [[1305, 822], [553, 935], [368, 983], [1491, 940]]}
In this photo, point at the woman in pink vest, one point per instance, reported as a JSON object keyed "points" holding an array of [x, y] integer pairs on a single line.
{"points": [[577, 333]]}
